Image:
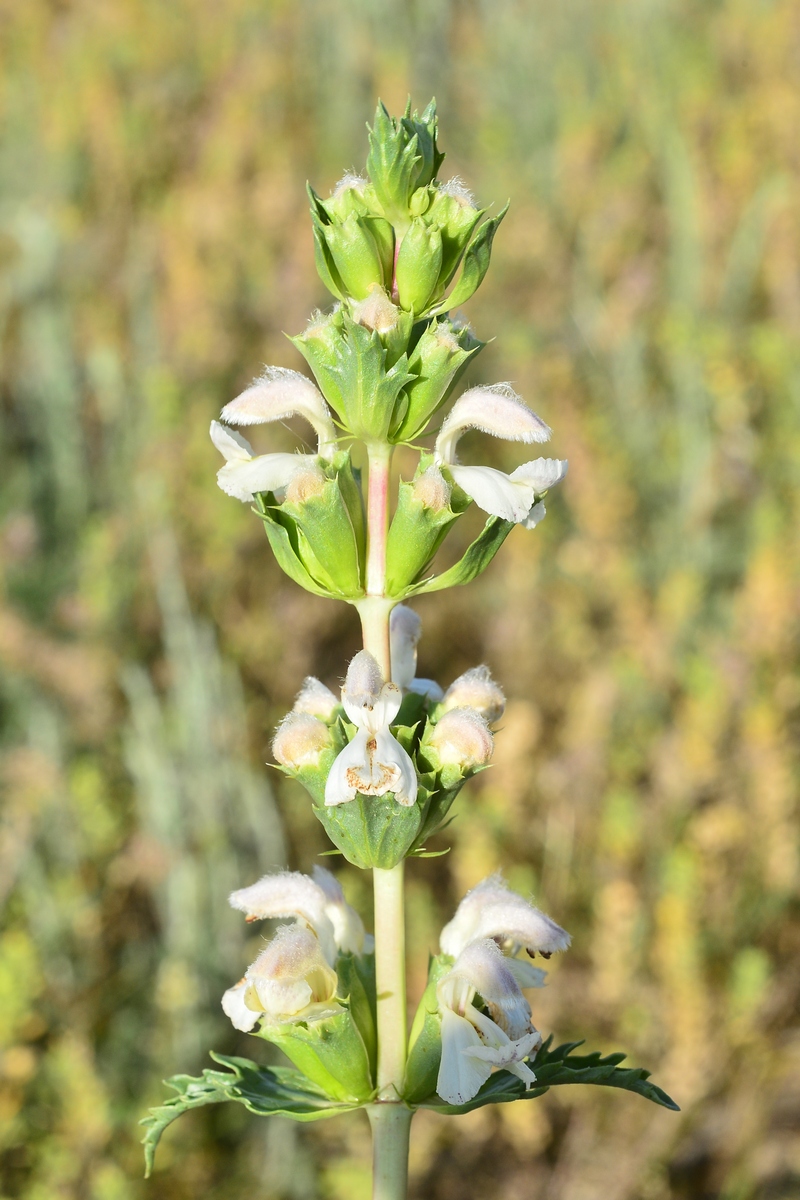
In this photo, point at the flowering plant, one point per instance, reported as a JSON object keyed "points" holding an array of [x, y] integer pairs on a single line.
{"points": [[384, 762]]}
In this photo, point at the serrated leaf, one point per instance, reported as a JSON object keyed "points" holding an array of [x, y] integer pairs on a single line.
{"points": [[558, 1067], [476, 263], [268, 1091], [476, 559]]}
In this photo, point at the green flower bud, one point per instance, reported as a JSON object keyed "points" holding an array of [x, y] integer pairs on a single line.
{"points": [[420, 202], [348, 197], [403, 157], [317, 531], [453, 210], [426, 509], [361, 249], [438, 360], [419, 263]]}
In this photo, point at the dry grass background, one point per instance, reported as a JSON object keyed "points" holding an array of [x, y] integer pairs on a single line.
{"points": [[645, 297]]}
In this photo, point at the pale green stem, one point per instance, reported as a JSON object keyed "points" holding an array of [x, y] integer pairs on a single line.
{"points": [[390, 979], [390, 1129], [389, 1118]]}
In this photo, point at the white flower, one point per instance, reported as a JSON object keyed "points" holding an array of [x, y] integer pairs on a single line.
{"points": [[499, 411], [473, 1042], [278, 394], [294, 978], [476, 689], [374, 762], [318, 903], [289, 981], [405, 629], [492, 910]]}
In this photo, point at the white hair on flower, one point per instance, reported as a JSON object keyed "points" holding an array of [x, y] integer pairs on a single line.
{"points": [[374, 762], [492, 910]]}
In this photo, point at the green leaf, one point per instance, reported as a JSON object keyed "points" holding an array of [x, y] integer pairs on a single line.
{"points": [[476, 264], [268, 1091], [474, 561], [560, 1066]]}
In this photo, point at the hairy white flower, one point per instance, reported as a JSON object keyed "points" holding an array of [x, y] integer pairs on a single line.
{"points": [[299, 740], [315, 699], [473, 1042], [405, 629], [278, 394], [318, 903], [374, 762], [476, 689], [499, 411], [289, 981], [492, 910]]}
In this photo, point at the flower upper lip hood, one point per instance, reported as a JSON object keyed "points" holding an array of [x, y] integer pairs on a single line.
{"points": [[492, 910], [499, 411], [374, 762], [278, 394], [319, 903]]}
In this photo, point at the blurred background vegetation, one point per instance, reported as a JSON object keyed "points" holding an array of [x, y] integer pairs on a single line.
{"points": [[645, 298]]}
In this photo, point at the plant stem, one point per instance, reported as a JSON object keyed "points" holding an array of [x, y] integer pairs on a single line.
{"points": [[390, 1129], [380, 461], [390, 979], [389, 1117]]}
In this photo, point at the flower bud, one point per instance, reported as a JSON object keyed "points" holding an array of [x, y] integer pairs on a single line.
{"points": [[358, 246], [348, 197], [300, 740], [419, 263], [377, 312], [462, 739], [316, 700], [305, 484], [432, 490], [477, 690]]}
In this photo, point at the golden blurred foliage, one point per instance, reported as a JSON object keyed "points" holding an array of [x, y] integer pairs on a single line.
{"points": [[645, 298]]}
